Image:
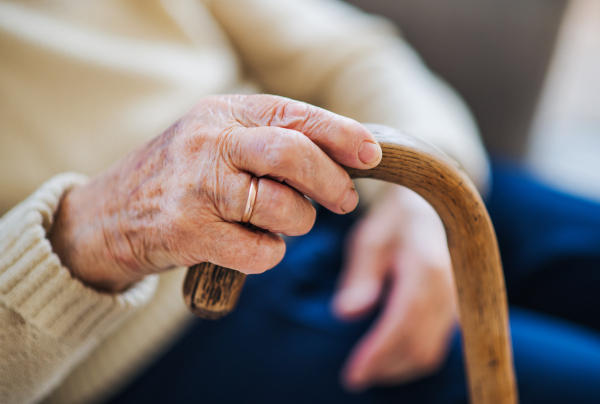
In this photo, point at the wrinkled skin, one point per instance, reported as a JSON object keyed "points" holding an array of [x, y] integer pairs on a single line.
{"points": [[178, 199]]}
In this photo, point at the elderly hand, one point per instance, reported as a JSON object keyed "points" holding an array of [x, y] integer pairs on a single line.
{"points": [[177, 200], [398, 254]]}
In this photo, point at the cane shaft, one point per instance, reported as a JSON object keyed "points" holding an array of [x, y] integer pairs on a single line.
{"points": [[212, 291]]}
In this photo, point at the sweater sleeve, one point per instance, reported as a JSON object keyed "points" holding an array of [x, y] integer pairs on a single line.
{"points": [[330, 54], [49, 321]]}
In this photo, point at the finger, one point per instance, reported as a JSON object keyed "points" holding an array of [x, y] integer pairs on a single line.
{"points": [[343, 139], [237, 247], [363, 276], [410, 338], [369, 256], [281, 209], [290, 157]]}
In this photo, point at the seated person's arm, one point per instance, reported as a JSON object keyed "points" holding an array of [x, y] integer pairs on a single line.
{"points": [[174, 201], [48, 319], [332, 55]]}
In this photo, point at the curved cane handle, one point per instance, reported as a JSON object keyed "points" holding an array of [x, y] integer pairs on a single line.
{"points": [[212, 291]]}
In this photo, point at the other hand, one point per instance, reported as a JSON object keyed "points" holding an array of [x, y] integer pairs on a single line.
{"points": [[398, 255]]}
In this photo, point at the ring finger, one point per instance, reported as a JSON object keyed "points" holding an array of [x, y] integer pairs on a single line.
{"points": [[281, 209]]}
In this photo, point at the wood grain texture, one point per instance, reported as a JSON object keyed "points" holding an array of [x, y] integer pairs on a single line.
{"points": [[212, 291]]}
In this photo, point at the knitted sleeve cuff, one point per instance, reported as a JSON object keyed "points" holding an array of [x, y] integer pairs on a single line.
{"points": [[35, 285]]}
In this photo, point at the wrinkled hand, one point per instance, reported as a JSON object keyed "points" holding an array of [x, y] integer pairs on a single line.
{"points": [[177, 200], [398, 254]]}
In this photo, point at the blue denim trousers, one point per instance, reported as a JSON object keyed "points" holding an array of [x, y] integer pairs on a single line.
{"points": [[282, 344]]}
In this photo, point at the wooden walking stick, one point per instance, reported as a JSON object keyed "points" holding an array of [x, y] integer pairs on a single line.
{"points": [[211, 291]]}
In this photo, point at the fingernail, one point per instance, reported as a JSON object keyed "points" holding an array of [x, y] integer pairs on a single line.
{"points": [[369, 152], [350, 201]]}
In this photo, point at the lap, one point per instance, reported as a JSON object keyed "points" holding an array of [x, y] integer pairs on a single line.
{"points": [[282, 344], [550, 247]]}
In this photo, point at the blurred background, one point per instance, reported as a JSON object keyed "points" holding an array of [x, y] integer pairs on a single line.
{"points": [[529, 70]]}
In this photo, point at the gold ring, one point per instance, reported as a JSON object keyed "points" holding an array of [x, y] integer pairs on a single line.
{"points": [[251, 199]]}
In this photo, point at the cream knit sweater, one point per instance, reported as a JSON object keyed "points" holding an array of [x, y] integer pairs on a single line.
{"points": [[82, 83]]}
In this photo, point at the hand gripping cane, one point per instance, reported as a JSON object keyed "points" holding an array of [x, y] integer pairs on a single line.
{"points": [[212, 291]]}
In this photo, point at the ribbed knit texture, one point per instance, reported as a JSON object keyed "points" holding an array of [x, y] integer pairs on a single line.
{"points": [[83, 83], [49, 319], [137, 342]]}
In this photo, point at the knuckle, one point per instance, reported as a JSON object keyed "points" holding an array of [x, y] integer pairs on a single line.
{"points": [[292, 216], [295, 112], [289, 113], [278, 203], [283, 204]]}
